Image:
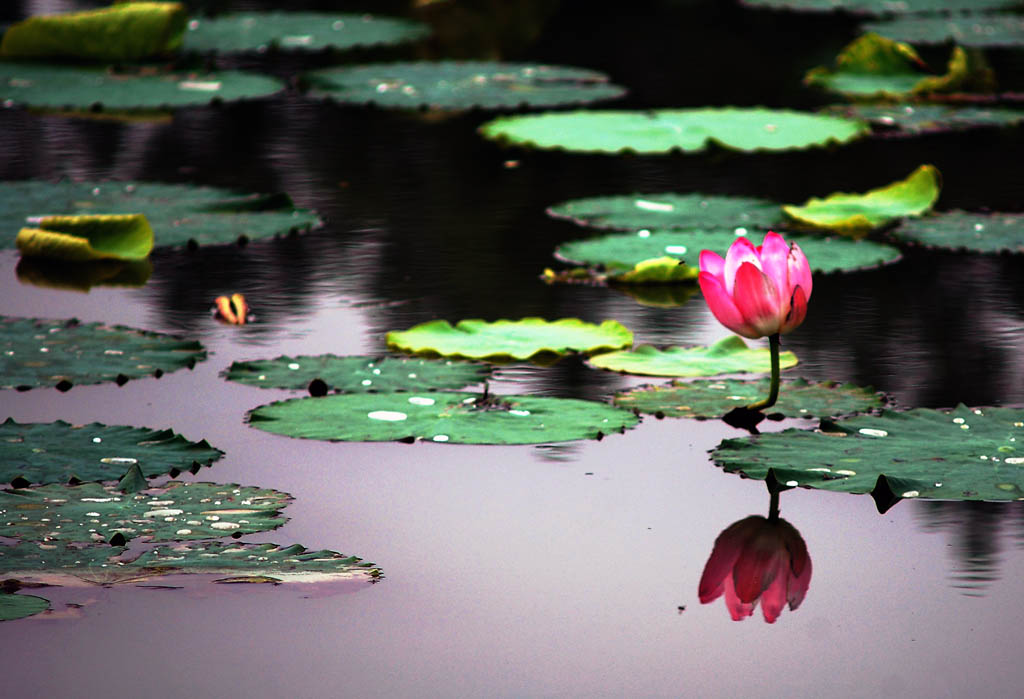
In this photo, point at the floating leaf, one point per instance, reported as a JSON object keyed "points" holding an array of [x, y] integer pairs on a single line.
{"points": [[963, 230], [620, 252], [462, 85], [56, 452], [21, 606], [963, 454], [729, 355], [66, 87], [124, 32], [858, 214], [797, 398], [82, 276], [179, 214], [927, 118], [456, 418], [357, 374], [89, 237], [663, 131], [966, 30], [668, 211], [882, 7], [509, 339], [176, 511], [309, 31], [38, 352]]}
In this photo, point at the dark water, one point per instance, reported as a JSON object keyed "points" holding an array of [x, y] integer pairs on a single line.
{"points": [[521, 571]]}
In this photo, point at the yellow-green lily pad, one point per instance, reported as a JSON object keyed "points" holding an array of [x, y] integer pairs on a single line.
{"points": [[88, 237]]}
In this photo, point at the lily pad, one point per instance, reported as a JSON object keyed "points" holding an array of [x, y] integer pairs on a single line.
{"points": [[357, 374], [87, 238], [927, 118], [307, 31], [67, 87], [456, 418], [730, 355], [664, 131], [178, 214], [704, 399], [882, 7], [124, 32], [509, 339], [620, 252], [668, 211], [175, 511], [966, 30], [964, 230], [858, 214], [462, 85], [21, 606], [56, 452], [61, 353], [59, 564], [661, 271], [961, 454]]}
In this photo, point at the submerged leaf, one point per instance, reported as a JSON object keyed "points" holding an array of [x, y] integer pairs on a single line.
{"points": [[730, 355], [964, 230], [455, 418], [667, 211], [88, 237]]}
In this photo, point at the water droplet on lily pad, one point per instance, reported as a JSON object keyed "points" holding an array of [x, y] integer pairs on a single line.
{"points": [[387, 415], [870, 432], [420, 400]]}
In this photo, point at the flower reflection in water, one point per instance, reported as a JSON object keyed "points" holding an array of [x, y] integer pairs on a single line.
{"points": [[757, 559]]}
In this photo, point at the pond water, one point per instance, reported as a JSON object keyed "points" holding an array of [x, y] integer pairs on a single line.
{"points": [[566, 570]]}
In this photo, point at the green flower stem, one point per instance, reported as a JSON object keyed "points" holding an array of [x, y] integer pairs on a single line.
{"points": [[773, 394]]}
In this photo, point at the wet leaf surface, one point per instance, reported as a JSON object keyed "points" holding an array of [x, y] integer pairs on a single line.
{"points": [[730, 355], [964, 230], [668, 211], [978, 30]]}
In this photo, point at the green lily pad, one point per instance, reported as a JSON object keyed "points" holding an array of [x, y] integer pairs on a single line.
{"points": [[620, 252], [56, 452], [87, 238], [60, 564], [456, 418], [704, 399], [178, 214], [461, 85], [963, 230], [357, 374], [175, 511], [67, 87], [21, 606], [858, 214], [875, 67], [882, 7], [668, 211], [730, 355], [962, 454], [966, 30], [307, 31], [664, 131], [61, 353], [927, 118], [124, 32], [509, 339]]}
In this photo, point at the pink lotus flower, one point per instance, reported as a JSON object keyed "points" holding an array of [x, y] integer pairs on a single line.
{"points": [[757, 559], [757, 291]]}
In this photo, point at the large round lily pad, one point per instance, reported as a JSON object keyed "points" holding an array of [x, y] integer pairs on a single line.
{"points": [[927, 118], [462, 85], [668, 211], [60, 564], [858, 214], [882, 7], [69, 87], [21, 606], [730, 355], [964, 230], [309, 31], [357, 374], [962, 454], [38, 352], [509, 339], [966, 30], [178, 214], [703, 399], [663, 131], [457, 418], [622, 251], [56, 452], [176, 511]]}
